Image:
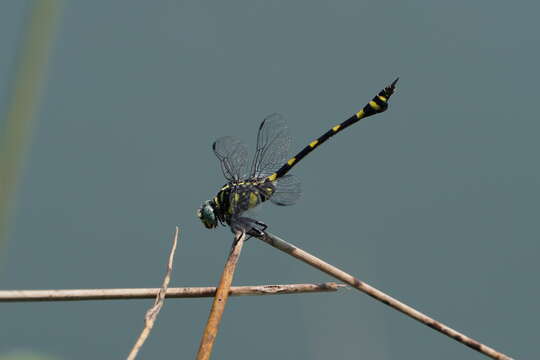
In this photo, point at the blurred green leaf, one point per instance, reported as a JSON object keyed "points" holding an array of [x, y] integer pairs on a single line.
{"points": [[26, 355]]}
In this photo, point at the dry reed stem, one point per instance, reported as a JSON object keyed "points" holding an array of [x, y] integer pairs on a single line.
{"points": [[220, 300], [140, 293], [379, 295], [152, 313]]}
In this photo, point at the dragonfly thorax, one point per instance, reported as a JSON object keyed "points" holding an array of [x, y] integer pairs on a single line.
{"points": [[233, 199], [237, 197]]}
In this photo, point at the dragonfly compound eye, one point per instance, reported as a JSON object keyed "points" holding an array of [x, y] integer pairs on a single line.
{"points": [[207, 216]]}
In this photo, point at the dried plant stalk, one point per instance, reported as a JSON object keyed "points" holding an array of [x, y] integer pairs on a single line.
{"points": [[152, 313], [220, 300], [379, 295], [140, 293]]}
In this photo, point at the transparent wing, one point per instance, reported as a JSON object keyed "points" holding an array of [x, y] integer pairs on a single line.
{"points": [[287, 192], [272, 150], [233, 157]]}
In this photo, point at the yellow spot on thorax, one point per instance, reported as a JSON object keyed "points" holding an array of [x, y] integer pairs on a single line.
{"points": [[221, 196], [273, 177], [253, 200], [233, 203]]}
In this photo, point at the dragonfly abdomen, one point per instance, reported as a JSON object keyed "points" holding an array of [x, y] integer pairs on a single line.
{"points": [[377, 105]]}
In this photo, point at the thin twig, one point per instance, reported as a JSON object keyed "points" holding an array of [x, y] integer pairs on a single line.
{"points": [[139, 293], [379, 295], [153, 312], [220, 300]]}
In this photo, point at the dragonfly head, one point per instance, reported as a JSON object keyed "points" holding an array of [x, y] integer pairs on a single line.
{"points": [[207, 215]]}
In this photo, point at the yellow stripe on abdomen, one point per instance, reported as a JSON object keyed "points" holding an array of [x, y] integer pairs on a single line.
{"points": [[374, 105]]}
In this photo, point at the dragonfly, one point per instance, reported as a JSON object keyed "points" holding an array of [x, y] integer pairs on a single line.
{"points": [[267, 178]]}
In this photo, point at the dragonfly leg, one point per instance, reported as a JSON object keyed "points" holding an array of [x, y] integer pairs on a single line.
{"points": [[251, 226], [257, 228], [262, 225]]}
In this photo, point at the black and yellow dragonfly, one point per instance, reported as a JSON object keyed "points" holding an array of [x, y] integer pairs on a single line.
{"points": [[268, 177]]}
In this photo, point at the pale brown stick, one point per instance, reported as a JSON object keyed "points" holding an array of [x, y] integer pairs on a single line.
{"points": [[152, 313], [220, 300], [379, 295], [139, 293]]}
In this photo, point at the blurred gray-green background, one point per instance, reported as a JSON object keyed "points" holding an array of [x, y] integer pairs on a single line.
{"points": [[435, 201]]}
